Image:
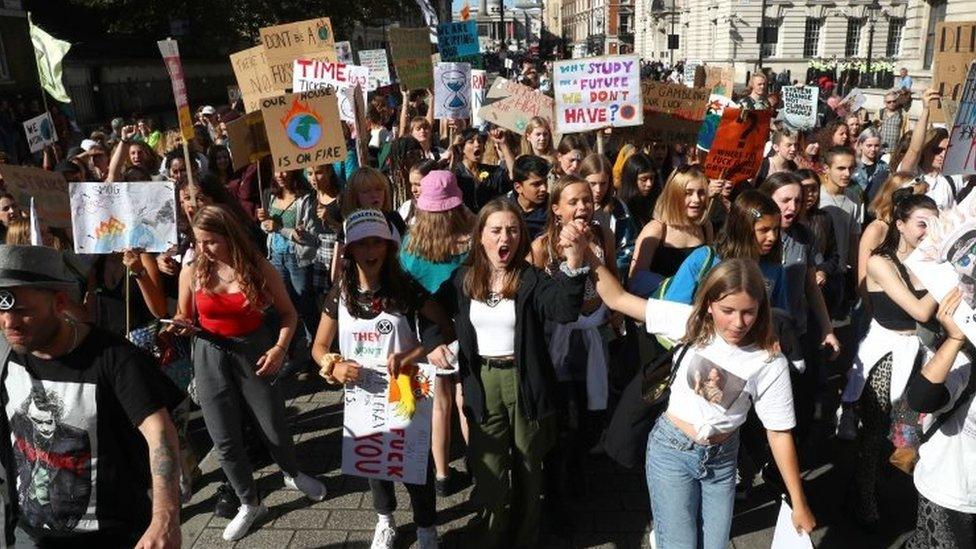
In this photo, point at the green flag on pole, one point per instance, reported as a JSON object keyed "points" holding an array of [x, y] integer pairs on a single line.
{"points": [[49, 52]]}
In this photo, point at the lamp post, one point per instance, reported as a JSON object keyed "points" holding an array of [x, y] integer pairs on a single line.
{"points": [[873, 11]]}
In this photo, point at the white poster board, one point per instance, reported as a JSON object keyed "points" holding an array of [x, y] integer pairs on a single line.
{"points": [[960, 158], [311, 75], [40, 132], [800, 106], [452, 90], [597, 92], [379, 438], [378, 65], [110, 217], [479, 87], [344, 52]]}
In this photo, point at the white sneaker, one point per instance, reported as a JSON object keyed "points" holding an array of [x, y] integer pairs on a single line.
{"points": [[427, 537], [247, 515], [385, 534], [847, 421], [310, 486]]}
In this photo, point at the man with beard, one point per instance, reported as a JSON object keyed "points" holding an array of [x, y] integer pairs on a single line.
{"points": [[87, 416]]}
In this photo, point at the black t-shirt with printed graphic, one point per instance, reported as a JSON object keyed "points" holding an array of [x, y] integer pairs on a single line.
{"points": [[78, 462]]}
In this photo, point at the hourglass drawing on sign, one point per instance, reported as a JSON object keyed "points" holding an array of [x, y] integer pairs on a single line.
{"points": [[455, 81]]}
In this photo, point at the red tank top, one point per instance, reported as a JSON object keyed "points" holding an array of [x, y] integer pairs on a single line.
{"points": [[227, 315]]}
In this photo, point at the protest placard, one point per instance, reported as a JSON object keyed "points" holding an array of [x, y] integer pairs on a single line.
{"points": [[736, 152], [597, 92], [854, 101], [720, 80], [800, 106], [344, 52], [111, 217], [452, 90], [49, 190], [960, 158], [283, 44], [233, 94], [943, 260], [253, 76], [386, 426], [312, 75], [458, 42], [955, 47], [479, 87], [379, 68], [690, 72], [410, 49], [171, 56], [511, 105], [304, 129], [248, 139], [673, 113], [40, 132]]}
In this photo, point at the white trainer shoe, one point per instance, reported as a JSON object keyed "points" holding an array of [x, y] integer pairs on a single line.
{"points": [[240, 525], [385, 535], [427, 537], [308, 485]]}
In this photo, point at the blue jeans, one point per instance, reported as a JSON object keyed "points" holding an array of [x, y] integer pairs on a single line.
{"points": [[298, 282], [692, 488]]}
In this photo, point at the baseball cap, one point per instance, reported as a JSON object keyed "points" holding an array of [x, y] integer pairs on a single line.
{"points": [[362, 224], [439, 192], [87, 144], [208, 110]]}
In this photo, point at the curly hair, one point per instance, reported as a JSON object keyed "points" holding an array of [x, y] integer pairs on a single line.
{"points": [[245, 258]]}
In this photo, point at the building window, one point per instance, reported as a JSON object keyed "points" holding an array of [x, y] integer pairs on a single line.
{"points": [[769, 48], [853, 42], [811, 37], [895, 27], [937, 11], [4, 67]]}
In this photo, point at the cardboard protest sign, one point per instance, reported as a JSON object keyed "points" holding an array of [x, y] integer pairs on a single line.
{"points": [[40, 132], [452, 90], [511, 105], [955, 47], [479, 87], [344, 52], [386, 426], [304, 129], [110, 217], [720, 80], [943, 260], [960, 158], [458, 42], [248, 139], [253, 76], [49, 190], [800, 106], [312, 75], [736, 153], [597, 92], [283, 44], [410, 49], [379, 68], [691, 70], [673, 113], [171, 56]]}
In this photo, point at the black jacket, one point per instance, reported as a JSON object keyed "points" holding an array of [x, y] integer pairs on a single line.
{"points": [[539, 298]]}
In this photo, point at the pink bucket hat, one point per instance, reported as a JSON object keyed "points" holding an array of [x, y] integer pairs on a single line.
{"points": [[439, 192]]}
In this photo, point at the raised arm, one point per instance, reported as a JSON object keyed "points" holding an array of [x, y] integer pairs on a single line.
{"points": [[883, 272], [914, 153]]}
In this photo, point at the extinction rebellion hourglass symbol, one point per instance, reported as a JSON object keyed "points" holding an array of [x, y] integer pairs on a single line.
{"points": [[454, 81]]}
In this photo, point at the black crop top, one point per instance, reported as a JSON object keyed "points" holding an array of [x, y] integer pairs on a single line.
{"points": [[887, 312]]}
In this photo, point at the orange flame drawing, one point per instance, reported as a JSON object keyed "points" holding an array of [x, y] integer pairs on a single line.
{"points": [[109, 227], [297, 108], [409, 387]]}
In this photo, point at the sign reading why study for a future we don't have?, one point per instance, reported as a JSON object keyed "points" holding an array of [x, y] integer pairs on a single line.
{"points": [[596, 93]]}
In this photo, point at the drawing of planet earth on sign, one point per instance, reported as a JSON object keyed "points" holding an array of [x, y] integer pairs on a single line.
{"points": [[302, 125]]}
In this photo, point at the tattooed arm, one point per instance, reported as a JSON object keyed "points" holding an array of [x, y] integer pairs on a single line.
{"points": [[164, 464]]}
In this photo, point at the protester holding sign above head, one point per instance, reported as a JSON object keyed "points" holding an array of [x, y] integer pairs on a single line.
{"points": [[373, 290], [480, 183], [133, 160]]}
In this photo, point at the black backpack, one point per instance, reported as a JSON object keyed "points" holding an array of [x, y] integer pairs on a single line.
{"points": [[641, 402]]}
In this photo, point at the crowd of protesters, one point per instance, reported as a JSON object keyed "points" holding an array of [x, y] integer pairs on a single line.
{"points": [[551, 271]]}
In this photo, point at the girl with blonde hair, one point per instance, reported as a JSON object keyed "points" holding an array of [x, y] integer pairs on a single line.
{"points": [[537, 139]]}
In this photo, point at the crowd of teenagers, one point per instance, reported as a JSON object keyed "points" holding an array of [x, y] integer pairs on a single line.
{"points": [[554, 275]]}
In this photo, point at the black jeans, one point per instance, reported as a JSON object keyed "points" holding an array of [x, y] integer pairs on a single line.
{"points": [[422, 498]]}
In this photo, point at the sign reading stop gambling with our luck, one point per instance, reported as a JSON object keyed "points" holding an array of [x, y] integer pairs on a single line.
{"points": [[311, 75], [960, 158], [673, 113], [737, 150], [596, 93], [303, 129], [386, 426], [311, 39]]}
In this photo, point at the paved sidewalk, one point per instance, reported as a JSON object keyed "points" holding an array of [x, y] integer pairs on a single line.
{"points": [[613, 513]]}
